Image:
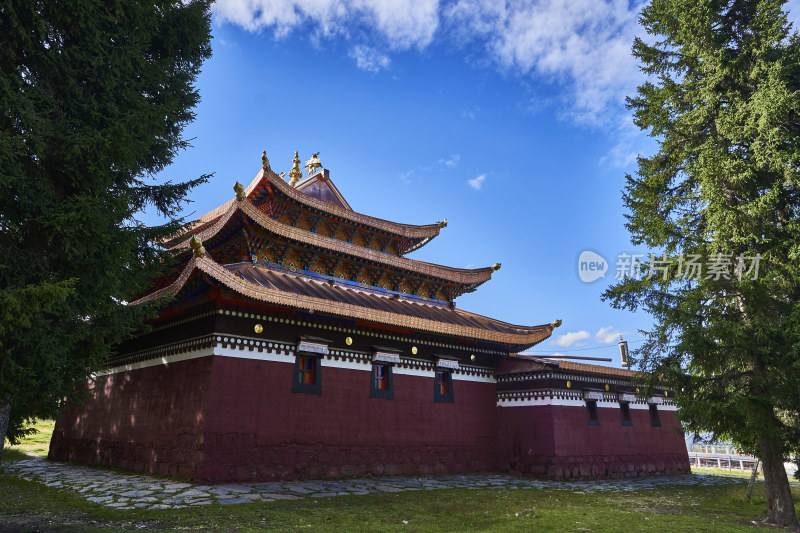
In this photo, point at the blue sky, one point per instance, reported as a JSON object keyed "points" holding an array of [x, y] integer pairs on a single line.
{"points": [[508, 120]]}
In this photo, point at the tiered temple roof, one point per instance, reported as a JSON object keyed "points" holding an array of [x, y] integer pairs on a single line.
{"points": [[303, 247]]}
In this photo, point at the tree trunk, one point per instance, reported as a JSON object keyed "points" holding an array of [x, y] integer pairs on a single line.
{"points": [[780, 507], [5, 413]]}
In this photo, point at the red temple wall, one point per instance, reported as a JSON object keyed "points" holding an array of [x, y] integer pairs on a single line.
{"points": [[556, 441], [231, 418], [257, 429], [148, 420]]}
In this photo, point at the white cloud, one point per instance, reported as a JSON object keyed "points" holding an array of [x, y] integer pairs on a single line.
{"points": [[568, 339], [369, 59], [402, 23], [452, 161], [582, 47], [607, 335], [477, 183], [470, 113]]}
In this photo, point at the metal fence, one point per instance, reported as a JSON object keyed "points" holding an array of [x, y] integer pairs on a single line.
{"points": [[717, 460]]}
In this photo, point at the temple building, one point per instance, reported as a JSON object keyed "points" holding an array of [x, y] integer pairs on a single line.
{"points": [[299, 341]]}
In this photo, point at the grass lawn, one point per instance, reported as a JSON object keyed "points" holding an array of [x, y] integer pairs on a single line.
{"points": [[27, 506], [36, 444]]}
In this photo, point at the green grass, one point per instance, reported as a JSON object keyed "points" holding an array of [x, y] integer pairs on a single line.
{"points": [[723, 472], [28, 505], [36, 444]]}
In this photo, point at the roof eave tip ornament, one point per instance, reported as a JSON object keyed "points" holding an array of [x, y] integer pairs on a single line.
{"points": [[496, 267], [197, 246], [442, 224], [239, 188], [264, 161], [295, 174], [556, 324]]}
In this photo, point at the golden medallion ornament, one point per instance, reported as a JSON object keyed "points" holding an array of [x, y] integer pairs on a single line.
{"points": [[414, 350], [472, 357], [607, 387], [569, 384], [258, 328], [348, 341], [666, 394]]}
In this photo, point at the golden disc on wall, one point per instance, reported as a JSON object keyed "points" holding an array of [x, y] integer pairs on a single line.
{"points": [[349, 341], [569, 384], [258, 328], [414, 350], [606, 386], [472, 357]]}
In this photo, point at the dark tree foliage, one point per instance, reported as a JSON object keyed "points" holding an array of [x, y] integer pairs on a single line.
{"points": [[94, 95], [723, 101]]}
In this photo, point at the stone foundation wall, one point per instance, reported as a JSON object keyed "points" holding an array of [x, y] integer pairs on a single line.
{"points": [[296, 461]]}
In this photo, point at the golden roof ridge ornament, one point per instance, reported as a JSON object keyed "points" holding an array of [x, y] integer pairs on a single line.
{"points": [[197, 246], [239, 188], [264, 161], [442, 224], [295, 174], [556, 323], [313, 164], [496, 267]]}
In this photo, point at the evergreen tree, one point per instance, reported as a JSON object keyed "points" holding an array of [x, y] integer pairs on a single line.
{"points": [[94, 95], [723, 191]]}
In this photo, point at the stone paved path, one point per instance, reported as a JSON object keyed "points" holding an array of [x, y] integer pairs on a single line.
{"points": [[133, 491]]}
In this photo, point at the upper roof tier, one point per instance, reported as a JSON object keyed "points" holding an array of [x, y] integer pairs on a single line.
{"points": [[454, 281], [316, 199]]}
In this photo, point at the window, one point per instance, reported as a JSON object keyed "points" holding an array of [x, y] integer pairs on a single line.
{"points": [[381, 385], [655, 420], [443, 386], [591, 413], [625, 412], [307, 374]]}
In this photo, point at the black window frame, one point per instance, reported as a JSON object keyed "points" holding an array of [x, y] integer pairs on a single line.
{"points": [[655, 416], [591, 407], [623, 408], [449, 397], [307, 388], [374, 391]]}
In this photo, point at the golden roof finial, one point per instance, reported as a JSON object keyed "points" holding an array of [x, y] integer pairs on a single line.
{"points": [[239, 188], [313, 164], [443, 223], [295, 174], [197, 246], [264, 161], [496, 267], [556, 324]]}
